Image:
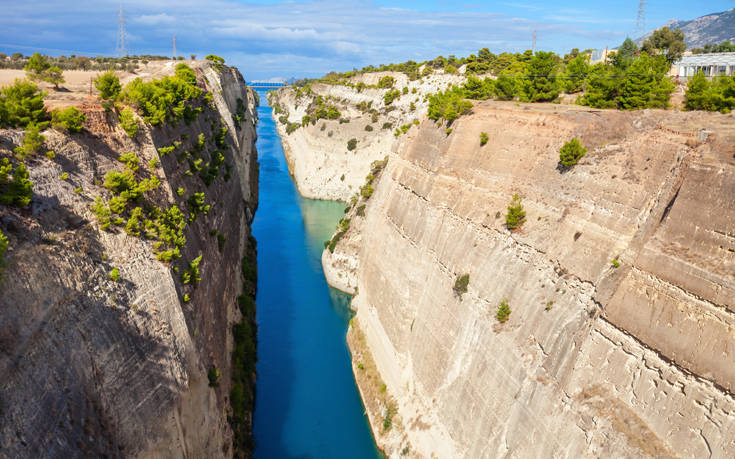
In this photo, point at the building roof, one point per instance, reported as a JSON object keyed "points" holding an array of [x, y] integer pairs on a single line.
{"points": [[708, 59]]}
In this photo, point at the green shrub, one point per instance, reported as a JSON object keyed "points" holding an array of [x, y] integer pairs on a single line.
{"points": [[571, 153], [460, 285], [167, 99], [21, 104], [196, 206], [32, 142], [369, 128], [516, 216], [503, 312], [390, 412], [540, 82], [131, 161], [390, 96], [483, 138], [387, 125], [361, 211], [64, 176], [70, 119], [180, 191], [351, 144], [3, 249], [217, 62], [191, 275], [185, 74], [128, 122], [115, 274], [717, 95], [15, 191], [214, 374], [108, 84], [386, 82], [50, 155], [291, 127], [615, 263], [448, 105]]}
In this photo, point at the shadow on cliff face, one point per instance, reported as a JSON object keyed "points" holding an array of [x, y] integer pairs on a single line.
{"points": [[82, 373]]}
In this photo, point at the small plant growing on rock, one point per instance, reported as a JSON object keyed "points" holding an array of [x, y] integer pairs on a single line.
{"points": [[213, 375], [64, 176], [449, 131], [483, 138], [115, 274], [129, 123], [32, 141], [516, 215], [460, 285], [50, 155], [548, 306], [351, 144], [615, 263], [571, 153], [3, 249], [503, 312]]}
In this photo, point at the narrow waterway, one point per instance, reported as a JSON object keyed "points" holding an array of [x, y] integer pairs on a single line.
{"points": [[307, 404]]}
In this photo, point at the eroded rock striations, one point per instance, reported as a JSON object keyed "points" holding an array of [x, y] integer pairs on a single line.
{"points": [[621, 286], [91, 366]]}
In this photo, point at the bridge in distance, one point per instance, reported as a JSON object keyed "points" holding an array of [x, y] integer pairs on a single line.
{"points": [[265, 84]]}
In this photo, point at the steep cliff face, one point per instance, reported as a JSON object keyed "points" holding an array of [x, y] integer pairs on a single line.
{"points": [[317, 152], [96, 367], [627, 361]]}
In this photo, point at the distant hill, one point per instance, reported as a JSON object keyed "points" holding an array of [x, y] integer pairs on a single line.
{"points": [[710, 29]]}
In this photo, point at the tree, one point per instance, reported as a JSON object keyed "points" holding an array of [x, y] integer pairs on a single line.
{"points": [[478, 89], [21, 103], [540, 82], [666, 42], [627, 52], [506, 86], [36, 67], [108, 84], [571, 153], [32, 141], [516, 216], [16, 192], [645, 84], [54, 76], [603, 87], [576, 73]]}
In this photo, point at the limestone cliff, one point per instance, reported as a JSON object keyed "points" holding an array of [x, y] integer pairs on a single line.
{"points": [[621, 284], [93, 367]]}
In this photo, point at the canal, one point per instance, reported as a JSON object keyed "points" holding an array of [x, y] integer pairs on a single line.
{"points": [[307, 404]]}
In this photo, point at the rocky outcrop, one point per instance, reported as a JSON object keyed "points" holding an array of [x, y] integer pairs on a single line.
{"points": [[91, 366], [620, 283]]}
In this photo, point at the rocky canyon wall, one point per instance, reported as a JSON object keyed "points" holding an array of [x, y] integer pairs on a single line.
{"points": [[620, 282], [93, 366]]}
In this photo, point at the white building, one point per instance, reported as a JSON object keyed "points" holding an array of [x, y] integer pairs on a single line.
{"points": [[712, 64]]}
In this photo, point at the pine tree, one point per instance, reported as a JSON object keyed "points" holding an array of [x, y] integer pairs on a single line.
{"points": [[698, 95], [540, 84], [17, 191], [645, 84]]}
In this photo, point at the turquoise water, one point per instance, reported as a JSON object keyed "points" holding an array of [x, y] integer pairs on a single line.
{"points": [[306, 404]]}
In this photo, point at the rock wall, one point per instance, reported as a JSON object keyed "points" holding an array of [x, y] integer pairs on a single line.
{"points": [[94, 367], [595, 360]]}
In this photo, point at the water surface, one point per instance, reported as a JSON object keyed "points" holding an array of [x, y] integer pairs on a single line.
{"points": [[307, 404]]}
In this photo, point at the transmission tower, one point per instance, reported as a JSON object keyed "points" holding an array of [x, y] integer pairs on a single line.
{"points": [[640, 23], [174, 46], [120, 47], [533, 48]]}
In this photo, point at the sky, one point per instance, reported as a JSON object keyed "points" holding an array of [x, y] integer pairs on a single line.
{"points": [[281, 39]]}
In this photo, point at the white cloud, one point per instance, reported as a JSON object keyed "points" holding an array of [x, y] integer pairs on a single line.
{"points": [[155, 19]]}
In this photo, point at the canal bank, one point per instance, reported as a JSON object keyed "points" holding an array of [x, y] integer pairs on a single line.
{"points": [[307, 404]]}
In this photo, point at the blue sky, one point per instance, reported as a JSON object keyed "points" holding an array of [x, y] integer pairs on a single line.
{"points": [[266, 38]]}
